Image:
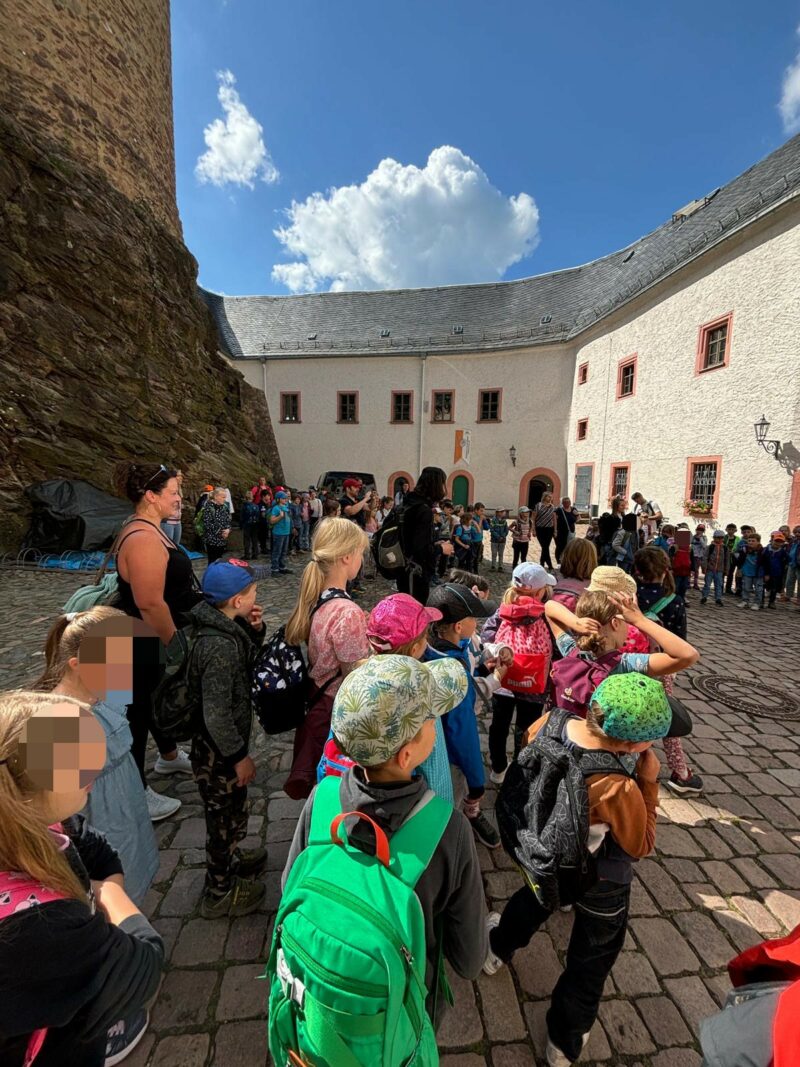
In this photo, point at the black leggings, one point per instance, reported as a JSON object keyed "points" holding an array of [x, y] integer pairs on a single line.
{"points": [[140, 717], [520, 549], [544, 535], [502, 714]]}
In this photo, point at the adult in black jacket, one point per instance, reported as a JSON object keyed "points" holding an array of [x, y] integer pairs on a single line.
{"points": [[418, 534]]}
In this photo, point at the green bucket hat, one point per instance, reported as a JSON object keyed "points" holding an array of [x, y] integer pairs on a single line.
{"points": [[383, 704], [635, 707]]}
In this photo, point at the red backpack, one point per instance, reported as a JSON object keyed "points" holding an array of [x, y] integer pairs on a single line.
{"points": [[576, 676], [523, 628], [682, 563]]}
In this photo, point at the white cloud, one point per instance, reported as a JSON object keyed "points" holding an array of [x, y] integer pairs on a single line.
{"points": [[789, 106], [236, 151], [407, 226]]}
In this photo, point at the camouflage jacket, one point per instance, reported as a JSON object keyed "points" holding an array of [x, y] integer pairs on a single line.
{"points": [[223, 667]]}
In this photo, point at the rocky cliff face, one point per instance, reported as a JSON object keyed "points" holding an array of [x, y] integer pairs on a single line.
{"points": [[106, 351]]}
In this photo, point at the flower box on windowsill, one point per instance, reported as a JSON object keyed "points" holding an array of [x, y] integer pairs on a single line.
{"points": [[698, 509]]}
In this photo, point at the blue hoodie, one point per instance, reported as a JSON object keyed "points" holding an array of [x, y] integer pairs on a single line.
{"points": [[460, 725]]}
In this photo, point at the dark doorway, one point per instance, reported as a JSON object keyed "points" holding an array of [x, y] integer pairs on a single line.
{"points": [[536, 488]]}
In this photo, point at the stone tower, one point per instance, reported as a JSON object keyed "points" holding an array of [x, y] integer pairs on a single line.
{"points": [[106, 350]]}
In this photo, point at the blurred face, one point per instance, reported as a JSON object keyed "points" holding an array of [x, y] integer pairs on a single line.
{"points": [[62, 750], [567, 502]]}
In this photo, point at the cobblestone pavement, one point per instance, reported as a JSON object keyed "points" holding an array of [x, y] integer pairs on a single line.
{"points": [[725, 874]]}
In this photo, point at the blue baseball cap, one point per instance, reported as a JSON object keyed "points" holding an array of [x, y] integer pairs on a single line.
{"points": [[225, 578], [281, 495]]}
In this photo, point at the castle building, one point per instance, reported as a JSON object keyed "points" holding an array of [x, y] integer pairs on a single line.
{"points": [[645, 370]]}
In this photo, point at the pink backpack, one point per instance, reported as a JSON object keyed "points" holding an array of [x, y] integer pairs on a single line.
{"points": [[19, 892], [575, 678], [523, 628]]}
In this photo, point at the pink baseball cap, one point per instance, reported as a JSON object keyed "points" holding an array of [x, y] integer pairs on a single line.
{"points": [[396, 620]]}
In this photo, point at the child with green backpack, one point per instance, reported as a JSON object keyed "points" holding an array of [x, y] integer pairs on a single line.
{"points": [[382, 881]]}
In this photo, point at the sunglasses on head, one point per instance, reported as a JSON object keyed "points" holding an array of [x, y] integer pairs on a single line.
{"points": [[161, 470]]}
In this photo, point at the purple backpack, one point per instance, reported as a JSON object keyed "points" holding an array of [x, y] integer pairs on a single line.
{"points": [[577, 675]]}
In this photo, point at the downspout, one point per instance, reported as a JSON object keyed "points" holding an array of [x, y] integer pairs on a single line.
{"points": [[264, 378], [423, 359]]}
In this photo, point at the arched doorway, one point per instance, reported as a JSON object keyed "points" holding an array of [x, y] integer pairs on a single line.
{"points": [[461, 487], [536, 482], [396, 480], [460, 490]]}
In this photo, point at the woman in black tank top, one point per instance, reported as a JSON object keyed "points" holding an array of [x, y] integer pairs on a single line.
{"points": [[156, 583]]}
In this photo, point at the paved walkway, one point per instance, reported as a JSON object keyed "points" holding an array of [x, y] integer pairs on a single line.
{"points": [[726, 871]]}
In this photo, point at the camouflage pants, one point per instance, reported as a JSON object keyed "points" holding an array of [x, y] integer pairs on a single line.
{"points": [[225, 805]]}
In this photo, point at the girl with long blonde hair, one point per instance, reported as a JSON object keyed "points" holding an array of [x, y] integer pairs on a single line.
{"points": [[77, 956], [117, 805], [335, 630]]}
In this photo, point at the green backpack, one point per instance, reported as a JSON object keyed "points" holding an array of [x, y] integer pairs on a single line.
{"points": [[347, 965]]}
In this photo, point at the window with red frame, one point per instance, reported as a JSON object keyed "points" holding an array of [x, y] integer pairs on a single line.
{"points": [[715, 347], [583, 429], [583, 374], [703, 483], [626, 379], [619, 481]]}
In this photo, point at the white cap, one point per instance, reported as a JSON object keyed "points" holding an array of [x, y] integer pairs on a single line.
{"points": [[531, 576]]}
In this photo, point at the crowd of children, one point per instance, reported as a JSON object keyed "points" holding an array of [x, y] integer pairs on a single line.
{"points": [[388, 745]]}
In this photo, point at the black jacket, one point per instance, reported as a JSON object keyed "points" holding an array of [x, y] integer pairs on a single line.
{"points": [[64, 967], [418, 534]]}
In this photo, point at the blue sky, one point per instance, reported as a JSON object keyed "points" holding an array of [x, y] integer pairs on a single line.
{"points": [[574, 128]]}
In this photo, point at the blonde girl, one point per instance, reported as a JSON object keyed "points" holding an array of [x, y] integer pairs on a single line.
{"points": [[77, 954], [334, 628], [117, 805]]}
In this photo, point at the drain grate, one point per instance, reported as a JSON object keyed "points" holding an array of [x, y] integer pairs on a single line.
{"points": [[747, 696]]}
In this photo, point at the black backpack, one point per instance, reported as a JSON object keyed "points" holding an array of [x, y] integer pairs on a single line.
{"points": [[543, 811], [281, 686], [387, 546], [177, 699]]}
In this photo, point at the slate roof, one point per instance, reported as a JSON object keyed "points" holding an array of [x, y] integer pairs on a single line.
{"points": [[500, 314]]}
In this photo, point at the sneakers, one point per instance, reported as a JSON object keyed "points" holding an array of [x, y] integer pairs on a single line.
{"points": [[743, 604], [692, 784], [492, 963], [484, 831], [498, 777], [720, 604], [250, 860], [124, 1036], [556, 1058], [159, 806], [242, 898], [180, 765], [703, 599], [755, 607]]}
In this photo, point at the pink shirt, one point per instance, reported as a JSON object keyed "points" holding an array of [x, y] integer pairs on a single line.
{"points": [[338, 635]]}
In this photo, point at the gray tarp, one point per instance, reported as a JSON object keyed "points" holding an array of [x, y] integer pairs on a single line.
{"points": [[73, 515]]}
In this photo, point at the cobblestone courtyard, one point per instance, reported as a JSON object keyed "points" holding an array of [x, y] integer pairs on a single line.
{"points": [[725, 874]]}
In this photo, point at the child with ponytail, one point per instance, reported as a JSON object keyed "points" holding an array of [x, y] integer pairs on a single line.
{"points": [[77, 954], [335, 630], [117, 805]]}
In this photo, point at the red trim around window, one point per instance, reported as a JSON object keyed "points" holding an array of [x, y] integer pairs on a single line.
{"points": [[291, 422], [691, 461], [499, 405], [348, 392], [401, 422], [584, 424], [443, 422], [626, 362], [583, 373], [702, 343], [575, 483], [794, 501], [618, 466]]}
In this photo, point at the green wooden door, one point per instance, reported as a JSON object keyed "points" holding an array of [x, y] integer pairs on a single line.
{"points": [[461, 490]]}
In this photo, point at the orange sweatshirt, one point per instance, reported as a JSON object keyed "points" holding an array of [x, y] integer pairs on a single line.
{"points": [[626, 806]]}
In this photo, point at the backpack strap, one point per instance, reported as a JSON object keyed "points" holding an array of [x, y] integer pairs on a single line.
{"points": [[659, 605], [324, 810], [413, 845], [600, 761]]}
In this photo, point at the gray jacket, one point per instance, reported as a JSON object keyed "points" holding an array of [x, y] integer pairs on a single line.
{"points": [[223, 664], [450, 889]]}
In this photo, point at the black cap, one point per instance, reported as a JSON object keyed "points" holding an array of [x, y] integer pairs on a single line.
{"points": [[457, 602]]}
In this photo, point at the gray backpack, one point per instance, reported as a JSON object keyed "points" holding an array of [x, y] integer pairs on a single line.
{"points": [[543, 811]]}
